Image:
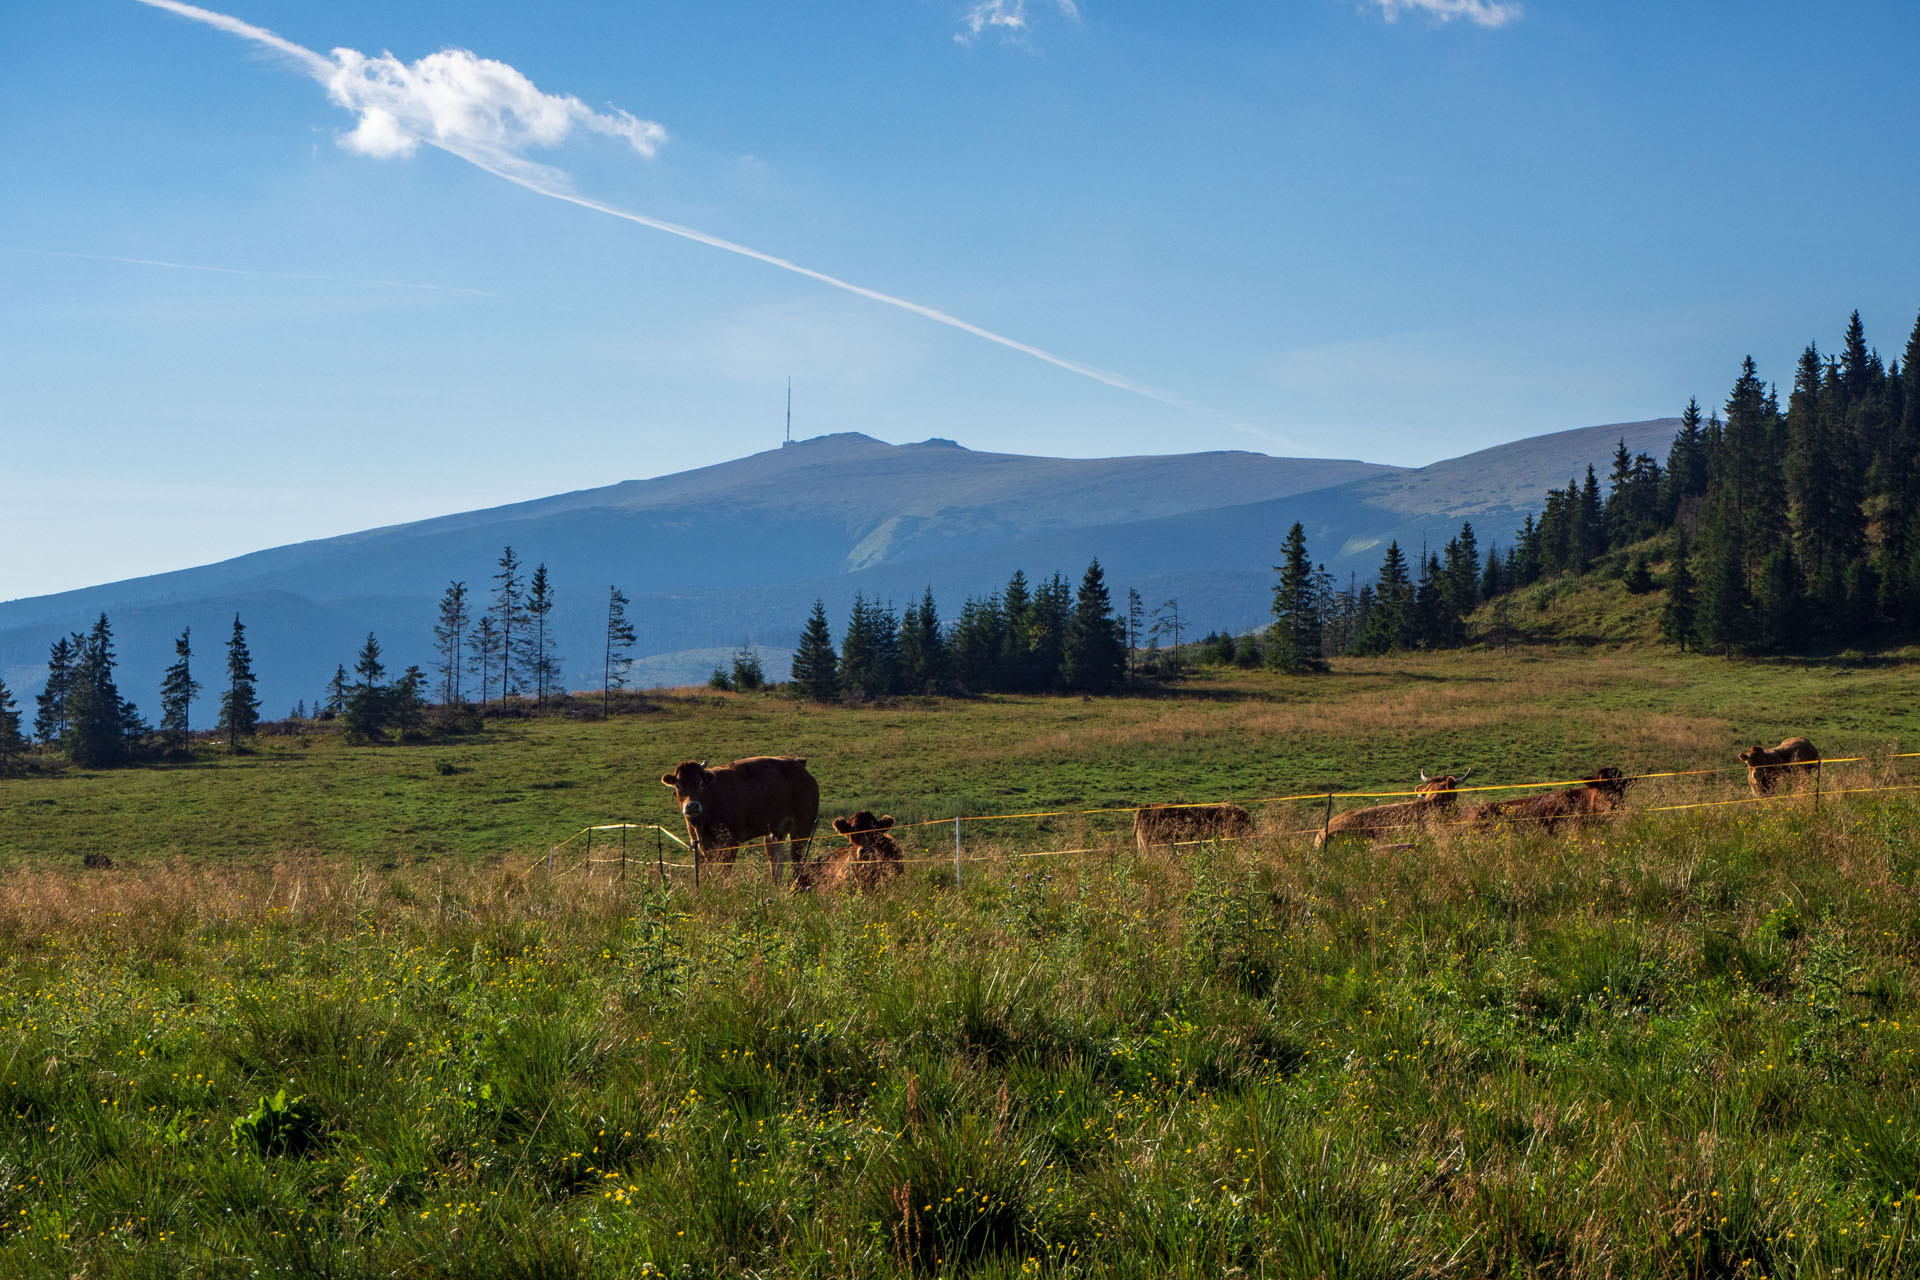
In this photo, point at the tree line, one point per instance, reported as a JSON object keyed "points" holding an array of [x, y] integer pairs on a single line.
{"points": [[1048, 638], [1782, 528]]}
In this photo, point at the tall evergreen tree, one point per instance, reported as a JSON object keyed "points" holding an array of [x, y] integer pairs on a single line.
{"points": [[509, 613], [923, 649], [13, 743], [101, 725], [1095, 657], [977, 643], [178, 689], [1294, 638], [816, 669], [449, 641], [1136, 624], [407, 702], [1045, 663], [334, 701], [1686, 462], [542, 660], [1726, 604], [368, 706], [50, 717], [1679, 615], [484, 655], [1821, 480], [240, 704], [619, 648]]}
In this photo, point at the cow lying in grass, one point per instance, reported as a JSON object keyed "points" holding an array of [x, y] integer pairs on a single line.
{"points": [[1595, 797], [1793, 763], [1168, 824], [869, 857], [1432, 806]]}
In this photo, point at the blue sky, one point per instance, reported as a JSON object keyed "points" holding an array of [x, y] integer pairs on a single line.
{"points": [[1389, 229]]}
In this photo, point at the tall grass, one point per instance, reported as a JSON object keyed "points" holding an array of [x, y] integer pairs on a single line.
{"points": [[1683, 1044]]}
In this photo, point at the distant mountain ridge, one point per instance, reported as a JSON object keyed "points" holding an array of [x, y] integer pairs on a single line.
{"points": [[738, 551]]}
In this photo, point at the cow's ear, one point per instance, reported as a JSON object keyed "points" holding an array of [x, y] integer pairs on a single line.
{"points": [[667, 780], [884, 823], [844, 827]]}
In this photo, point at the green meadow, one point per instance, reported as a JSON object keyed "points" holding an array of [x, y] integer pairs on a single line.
{"points": [[327, 1015]]}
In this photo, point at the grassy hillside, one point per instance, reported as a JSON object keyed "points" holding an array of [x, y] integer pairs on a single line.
{"points": [[320, 1019]]}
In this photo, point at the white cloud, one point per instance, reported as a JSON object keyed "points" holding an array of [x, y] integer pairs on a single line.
{"points": [[466, 104], [1009, 17], [1481, 13]]}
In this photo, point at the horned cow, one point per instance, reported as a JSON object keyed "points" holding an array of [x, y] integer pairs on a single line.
{"points": [[1788, 764], [1167, 824], [869, 857], [768, 798], [1596, 796], [1433, 803]]}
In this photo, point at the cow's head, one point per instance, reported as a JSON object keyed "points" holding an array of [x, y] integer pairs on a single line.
{"points": [[862, 828], [1753, 755], [1609, 780], [689, 781], [1440, 790]]}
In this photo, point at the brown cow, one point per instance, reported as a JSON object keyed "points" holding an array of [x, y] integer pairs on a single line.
{"points": [[770, 797], [1166, 824], [1788, 764], [870, 857], [1434, 802], [1594, 797]]}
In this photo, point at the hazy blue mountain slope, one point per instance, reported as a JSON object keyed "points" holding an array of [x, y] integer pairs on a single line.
{"points": [[739, 551]]}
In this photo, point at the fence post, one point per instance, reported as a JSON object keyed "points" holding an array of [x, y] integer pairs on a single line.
{"points": [[956, 853], [588, 864], [1326, 822], [623, 857], [696, 863], [551, 849], [660, 855]]}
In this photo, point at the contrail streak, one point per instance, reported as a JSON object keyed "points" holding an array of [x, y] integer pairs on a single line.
{"points": [[529, 176]]}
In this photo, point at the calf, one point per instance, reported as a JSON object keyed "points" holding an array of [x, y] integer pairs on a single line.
{"points": [[1595, 797], [1790, 764], [766, 798], [869, 857], [1433, 803], [1167, 824]]}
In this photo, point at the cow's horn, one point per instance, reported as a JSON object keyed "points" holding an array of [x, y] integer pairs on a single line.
{"points": [[1469, 773], [1424, 777]]}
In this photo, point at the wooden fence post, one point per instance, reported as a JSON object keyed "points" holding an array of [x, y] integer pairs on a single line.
{"points": [[956, 853], [1326, 822]]}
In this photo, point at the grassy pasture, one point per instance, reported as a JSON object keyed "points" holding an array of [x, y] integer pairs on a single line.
{"points": [[1373, 724], [1678, 1045]]}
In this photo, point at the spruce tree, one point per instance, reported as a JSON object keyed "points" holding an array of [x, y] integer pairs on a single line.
{"points": [[1294, 638], [239, 705], [178, 689], [1095, 657], [540, 660], [977, 643], [747, 674], [334, 700], [367, 705], [509, 617], [619, 648], [484, 652], [1678, 616], [1047, 636], [13, 743], [407, 702], [50, 716], [1726, 604], [1016, 612], [101, 726], [449, 642], [816, 669]]}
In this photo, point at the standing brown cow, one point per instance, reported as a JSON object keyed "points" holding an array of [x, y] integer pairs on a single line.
{"points": [[1166, 824], [1434, 802], [869, 857], [1788, 764], [770, 797], [1595, 796]]}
